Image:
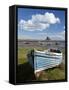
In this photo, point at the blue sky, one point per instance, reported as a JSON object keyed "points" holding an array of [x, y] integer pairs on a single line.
{"points": [[40, 23]]}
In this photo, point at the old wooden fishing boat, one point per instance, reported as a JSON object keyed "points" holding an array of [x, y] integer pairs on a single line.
{"points": [[41, 60]]}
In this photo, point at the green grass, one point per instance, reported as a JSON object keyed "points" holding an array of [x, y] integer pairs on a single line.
{"points": [[22, 54], [56, 73]]}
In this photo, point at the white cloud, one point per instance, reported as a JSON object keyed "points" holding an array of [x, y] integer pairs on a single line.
{"points": [[46, 18], [42, 33], [24, 37], [51, 18], [58, 36], [64, 27], [62, 34], [38, 22]]}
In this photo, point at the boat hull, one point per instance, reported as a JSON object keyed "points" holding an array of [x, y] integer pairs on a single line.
{"points": [[42, 61]]}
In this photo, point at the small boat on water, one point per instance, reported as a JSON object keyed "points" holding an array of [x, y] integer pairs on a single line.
{"points": [[41, 60]]}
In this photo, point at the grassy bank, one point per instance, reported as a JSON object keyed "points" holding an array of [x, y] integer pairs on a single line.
{"points": [[56, 73], [22, 54]]}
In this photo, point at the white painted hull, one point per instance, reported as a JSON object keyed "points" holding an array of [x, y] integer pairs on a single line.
{"points": [[44, 60]]}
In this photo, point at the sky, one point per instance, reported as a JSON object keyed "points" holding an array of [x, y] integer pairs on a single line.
{"points": [[41, 23]]}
